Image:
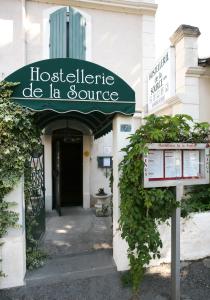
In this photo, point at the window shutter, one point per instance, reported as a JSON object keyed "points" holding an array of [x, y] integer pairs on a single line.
{"points": [[77, 38], [58, 33]]}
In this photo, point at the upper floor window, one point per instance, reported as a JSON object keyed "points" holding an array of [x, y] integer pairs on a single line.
{"points": [[67, 34]]}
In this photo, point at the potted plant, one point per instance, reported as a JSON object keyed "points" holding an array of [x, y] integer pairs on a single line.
{"points": [[101, 192], [102, 203]]}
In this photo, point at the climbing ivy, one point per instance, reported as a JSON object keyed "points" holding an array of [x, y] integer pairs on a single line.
{"points": [[143, 209], [18, 137]]}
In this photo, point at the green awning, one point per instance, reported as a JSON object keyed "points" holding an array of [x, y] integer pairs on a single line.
{"points": [[79, 88]]}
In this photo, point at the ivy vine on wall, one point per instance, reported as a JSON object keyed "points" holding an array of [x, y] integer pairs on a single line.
{"points": [[18, 137], [143, 209]]}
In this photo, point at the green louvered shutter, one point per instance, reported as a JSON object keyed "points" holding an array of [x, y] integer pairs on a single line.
{"points": [[58, 33], [77, 38]]}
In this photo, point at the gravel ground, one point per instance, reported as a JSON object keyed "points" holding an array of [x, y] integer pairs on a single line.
{"points": [[195, 285]]}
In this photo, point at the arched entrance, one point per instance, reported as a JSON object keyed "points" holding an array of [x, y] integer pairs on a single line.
{"points": [[67, 167], [78, 91]]}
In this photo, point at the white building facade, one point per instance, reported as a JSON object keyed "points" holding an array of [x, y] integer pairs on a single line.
{"points": [[117, 35]]}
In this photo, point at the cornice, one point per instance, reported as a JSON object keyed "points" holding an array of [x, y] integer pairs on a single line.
{"points": [[167, 104], [198, 72], [122, 6], [184, 31]]}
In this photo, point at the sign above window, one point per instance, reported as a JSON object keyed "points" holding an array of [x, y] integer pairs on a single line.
{"points": [[65, 84]]}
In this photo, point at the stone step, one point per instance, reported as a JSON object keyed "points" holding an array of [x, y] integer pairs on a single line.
{"points": [[73, 267]]}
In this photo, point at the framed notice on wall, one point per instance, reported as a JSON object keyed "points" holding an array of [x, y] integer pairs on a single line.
{"points": [[166, 164]]}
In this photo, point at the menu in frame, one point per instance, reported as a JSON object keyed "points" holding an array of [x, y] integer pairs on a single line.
{"points": [[191, 163], [107, 162], [173, 163], [155, 164]]}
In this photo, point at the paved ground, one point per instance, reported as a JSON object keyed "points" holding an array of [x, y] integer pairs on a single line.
{"points": [[77, 231], [195, 285], [80, 266]]}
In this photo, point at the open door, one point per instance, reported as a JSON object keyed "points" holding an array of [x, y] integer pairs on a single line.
{"points": [[57, 173], [67, 168]]}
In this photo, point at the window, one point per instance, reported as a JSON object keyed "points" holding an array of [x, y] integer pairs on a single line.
{"points": [[67, 34]]}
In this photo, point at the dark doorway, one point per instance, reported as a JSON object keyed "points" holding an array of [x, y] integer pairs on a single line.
{"points": [[67, 168]]}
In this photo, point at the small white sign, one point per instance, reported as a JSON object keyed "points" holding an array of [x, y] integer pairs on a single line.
{"points": [[161, 80], [107, 161]]}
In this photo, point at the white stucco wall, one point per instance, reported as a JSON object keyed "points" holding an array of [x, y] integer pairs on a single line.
{"points": [[194, 232], [120, 139], [12, 42], [98, 179], [12, 251], [47, 142], [121, 42], [204, 96]]}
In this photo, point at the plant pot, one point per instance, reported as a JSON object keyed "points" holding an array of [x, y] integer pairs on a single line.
{"points": [[102, 206]]}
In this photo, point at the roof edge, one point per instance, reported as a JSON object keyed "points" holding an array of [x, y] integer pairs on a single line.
{"points": [[121, 6]]}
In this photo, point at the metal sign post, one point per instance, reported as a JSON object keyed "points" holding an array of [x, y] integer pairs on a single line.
{"points": [[179, 165], [175, 246]]}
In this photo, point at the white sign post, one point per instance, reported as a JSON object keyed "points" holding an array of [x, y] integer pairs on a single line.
{"points": [[176, 164]]}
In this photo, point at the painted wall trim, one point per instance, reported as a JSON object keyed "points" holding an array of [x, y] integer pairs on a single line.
{"points": [[121, 6]]}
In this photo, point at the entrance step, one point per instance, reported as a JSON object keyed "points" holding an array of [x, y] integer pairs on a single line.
{"points": [[73, 267]]}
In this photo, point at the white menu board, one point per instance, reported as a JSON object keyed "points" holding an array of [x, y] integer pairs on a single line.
{"points": [[173, 163], [155, 164], [191, 163], [170, 164]]}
